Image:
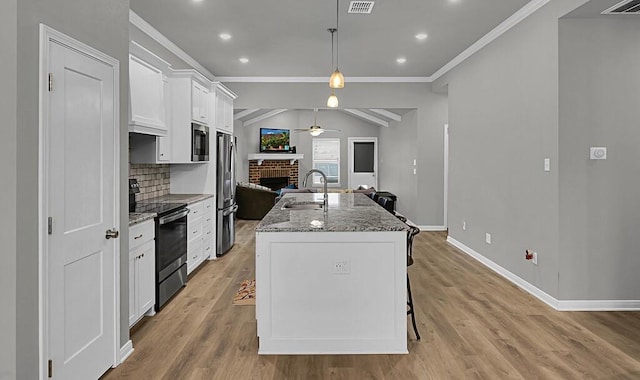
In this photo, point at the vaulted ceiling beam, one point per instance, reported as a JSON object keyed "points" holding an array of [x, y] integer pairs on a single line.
{"points": [[366, 117], [387, 114], [264, 116], [245, 113]]}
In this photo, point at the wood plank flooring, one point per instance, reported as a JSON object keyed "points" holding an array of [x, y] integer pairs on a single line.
{"points": [[474, 325]]}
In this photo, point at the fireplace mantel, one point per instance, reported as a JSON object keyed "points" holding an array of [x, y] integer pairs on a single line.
{"points": [[260, 157]]}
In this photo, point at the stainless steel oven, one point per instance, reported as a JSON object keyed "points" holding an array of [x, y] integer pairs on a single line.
{"points": [[199, 142]]}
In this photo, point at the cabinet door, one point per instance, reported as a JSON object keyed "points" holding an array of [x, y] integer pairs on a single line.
{"points": [[228, 114], [219, 112], [146, 94], [133, 312], [204, 105], [146, 278], [164, 149], [195, 101]]}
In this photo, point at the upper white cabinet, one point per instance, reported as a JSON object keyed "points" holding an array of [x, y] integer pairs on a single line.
{"points": [[199, 103], [224, 108], [190, 103], [147, 92]]}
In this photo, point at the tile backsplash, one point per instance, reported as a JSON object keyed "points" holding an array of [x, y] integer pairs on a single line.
{"points": [[154, 180]]}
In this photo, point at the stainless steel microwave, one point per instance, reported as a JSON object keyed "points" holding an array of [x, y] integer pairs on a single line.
{"points": [[199, 142]]}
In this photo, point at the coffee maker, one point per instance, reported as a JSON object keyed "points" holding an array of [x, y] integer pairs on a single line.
{"points": [[134, 189]]}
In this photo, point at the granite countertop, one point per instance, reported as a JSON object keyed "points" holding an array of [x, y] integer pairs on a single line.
{"points": [[139, 217], [179, 198], [349, 212]]}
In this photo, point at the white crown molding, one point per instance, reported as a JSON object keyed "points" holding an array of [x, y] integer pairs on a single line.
{"points": [[293, 79], [499, 30], [152, 32]]}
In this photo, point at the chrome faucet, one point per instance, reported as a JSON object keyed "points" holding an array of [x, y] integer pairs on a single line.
{"points": [[324, 181]]}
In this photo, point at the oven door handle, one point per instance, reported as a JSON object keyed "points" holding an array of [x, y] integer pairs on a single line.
{"points": [[172, 217]]}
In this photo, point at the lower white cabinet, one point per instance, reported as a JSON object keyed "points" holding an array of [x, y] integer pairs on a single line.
{"points": [[142, 260], [200, 232]]}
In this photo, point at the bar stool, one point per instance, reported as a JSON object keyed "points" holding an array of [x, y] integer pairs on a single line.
{"points": [[413, 231]]}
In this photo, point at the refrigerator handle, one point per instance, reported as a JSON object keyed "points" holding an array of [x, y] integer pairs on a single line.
{"points": [[232, 167]]}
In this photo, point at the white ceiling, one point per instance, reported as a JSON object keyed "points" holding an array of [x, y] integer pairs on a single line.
{"points": [[290, 38]]}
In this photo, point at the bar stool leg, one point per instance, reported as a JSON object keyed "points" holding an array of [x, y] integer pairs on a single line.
{"points": [[410, 311]]}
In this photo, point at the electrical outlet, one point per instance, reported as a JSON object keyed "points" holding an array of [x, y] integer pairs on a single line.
{"points": [[531, 255], [534, 258], [341, 267], [464, 225], [487, 238]]}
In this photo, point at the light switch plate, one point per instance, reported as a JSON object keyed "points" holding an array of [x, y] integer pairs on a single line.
{"points": [[598, 153]]}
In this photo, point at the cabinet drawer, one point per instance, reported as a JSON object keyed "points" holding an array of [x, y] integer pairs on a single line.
{"points": [[208, 248], [194, 229], [141, 233], [194, 254], [208, 205], [196, 210]]}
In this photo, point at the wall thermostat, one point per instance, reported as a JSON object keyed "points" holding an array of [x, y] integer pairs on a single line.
{"points": [[598, 153]]}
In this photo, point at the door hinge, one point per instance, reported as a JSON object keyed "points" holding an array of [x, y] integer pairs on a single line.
{"points": [[50, 225], [50, 81], [50, 368]]}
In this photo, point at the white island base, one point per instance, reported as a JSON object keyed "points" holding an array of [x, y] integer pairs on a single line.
{"points": [[331, 292]]}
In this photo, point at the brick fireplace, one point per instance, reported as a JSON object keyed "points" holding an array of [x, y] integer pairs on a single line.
{"points": [[275, 171]]}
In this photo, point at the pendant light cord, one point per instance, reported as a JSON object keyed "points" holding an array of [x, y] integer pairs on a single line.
{"points": [[337, 35]]}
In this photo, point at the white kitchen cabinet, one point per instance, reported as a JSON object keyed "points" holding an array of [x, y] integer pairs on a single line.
{"points": [[142, 293], [147, 92], [200, 232], [190, 103], [199, 103], [224, 108]]}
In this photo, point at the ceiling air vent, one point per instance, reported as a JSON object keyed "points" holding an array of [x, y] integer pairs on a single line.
{"points": [[626, 7], [362, 6]]}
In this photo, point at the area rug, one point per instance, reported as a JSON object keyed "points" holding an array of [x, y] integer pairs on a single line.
{"points": [[246, 295]]}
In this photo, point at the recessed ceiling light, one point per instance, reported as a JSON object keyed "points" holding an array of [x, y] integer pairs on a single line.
{"points": [[421, 36], [197, 1], [225, 36], [401, 60], [243, 60]]}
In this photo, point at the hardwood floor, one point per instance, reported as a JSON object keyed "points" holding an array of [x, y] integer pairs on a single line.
{"points": [[474, 325]]}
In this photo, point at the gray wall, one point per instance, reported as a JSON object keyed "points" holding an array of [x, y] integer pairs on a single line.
{"points": [[396, 152], [330, 119], [104, 25], [599, 218], [503, 117], [8, 210], [431, 116]]}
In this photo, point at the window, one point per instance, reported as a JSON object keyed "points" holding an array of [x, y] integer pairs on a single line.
{"points": [[326, 157]]}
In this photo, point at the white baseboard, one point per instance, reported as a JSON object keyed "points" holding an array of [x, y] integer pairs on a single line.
{"points": [[560, 305], [524, 285], [126, 351], [599, 305], [432, 228]]}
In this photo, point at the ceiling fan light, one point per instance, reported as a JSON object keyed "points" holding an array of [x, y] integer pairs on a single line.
{"points": [[336, 80], [316, 132], [332, 102]]}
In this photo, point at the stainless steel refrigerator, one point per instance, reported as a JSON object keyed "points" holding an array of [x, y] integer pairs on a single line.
{"points": [[226, 188]]}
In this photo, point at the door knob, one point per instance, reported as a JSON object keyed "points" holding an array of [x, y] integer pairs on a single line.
{"points": [[112, 233]]}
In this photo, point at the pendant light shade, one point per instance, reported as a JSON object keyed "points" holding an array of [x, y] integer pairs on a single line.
{"points": [[332, 102], [336, 80]]}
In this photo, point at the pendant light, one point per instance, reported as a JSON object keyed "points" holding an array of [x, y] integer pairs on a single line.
{"points": [[337, 79], [332, 102]]}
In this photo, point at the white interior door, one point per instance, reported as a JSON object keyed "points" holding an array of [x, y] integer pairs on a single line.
{"points": [[81, 199], [363, 162]]}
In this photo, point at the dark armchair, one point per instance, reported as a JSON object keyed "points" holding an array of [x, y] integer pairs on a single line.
{"points": [[254, 203]]}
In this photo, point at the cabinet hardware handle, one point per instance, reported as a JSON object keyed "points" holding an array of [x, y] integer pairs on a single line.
{"points": [[137, 237]]}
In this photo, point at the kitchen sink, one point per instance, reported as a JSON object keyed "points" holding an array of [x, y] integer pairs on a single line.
{"points": [[302, 206]]}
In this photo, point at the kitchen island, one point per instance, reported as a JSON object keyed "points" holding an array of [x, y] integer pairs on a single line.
{"points": [[331, 282]]}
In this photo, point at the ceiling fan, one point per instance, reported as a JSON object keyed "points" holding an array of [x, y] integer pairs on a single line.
{"points": [[315, 129]]}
